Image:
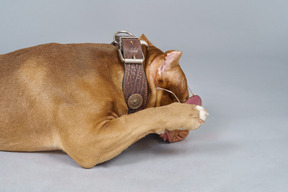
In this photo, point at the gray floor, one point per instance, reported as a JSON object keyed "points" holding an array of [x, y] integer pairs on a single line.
{"points": [[236, 62]]}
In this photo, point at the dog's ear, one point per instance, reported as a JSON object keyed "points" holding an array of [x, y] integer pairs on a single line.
{"points": [[144, 38], [153, 51], [171, 60]]}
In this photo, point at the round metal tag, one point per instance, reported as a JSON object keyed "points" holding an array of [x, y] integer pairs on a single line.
{"points": [[135, 101]]}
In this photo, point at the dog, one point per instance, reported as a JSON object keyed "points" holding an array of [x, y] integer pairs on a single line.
{"points": [[69, 97]]}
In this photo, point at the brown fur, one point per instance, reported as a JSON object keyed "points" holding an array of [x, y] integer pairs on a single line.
{"points": [[69, 97]]}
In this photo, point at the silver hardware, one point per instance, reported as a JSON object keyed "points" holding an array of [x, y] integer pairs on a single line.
{"points": [[118, 42], [121, 31]]}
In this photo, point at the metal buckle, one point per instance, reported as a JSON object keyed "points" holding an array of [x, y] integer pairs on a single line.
{"points": [[118, 42]]}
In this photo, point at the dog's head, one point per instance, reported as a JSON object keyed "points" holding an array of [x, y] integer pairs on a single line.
{"points": [[164, 72]]}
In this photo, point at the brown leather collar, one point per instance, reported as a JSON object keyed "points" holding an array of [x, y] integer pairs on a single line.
{"points": [[135, 85]]}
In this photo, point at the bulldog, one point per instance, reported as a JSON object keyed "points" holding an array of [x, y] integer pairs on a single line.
{"points": [[69, 97]]}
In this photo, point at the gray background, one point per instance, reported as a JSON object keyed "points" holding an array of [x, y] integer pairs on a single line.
{"points": [[235, 57]]}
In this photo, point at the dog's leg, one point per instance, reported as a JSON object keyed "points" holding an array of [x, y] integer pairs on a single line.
{"points": [[90, 144]]}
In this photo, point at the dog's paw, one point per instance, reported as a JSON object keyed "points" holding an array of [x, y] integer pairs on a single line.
{"points": [[202, 114], [181, 116]]}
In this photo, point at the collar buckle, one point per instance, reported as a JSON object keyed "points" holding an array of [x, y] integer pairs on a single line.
{"points": [[118, 42]]}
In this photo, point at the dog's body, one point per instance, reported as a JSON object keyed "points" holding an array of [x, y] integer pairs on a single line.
{"points": [[69, 97]]}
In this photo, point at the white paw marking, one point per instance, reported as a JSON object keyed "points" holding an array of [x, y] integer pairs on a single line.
{"points": [[203, 113]]}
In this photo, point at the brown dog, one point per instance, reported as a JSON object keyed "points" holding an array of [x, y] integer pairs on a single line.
{"points": [[69, 97]]}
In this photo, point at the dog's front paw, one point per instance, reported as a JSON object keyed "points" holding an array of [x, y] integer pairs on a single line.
{"points": [[199, 114], [180, 116]]}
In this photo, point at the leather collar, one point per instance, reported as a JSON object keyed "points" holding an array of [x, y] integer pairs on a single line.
{"points": [[135, 84]]}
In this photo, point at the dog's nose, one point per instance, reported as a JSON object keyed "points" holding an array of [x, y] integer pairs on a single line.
{"points": [[195, 99]]}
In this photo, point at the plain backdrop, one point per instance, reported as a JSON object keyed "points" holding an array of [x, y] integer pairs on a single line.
{"points": [[235, 56]]}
